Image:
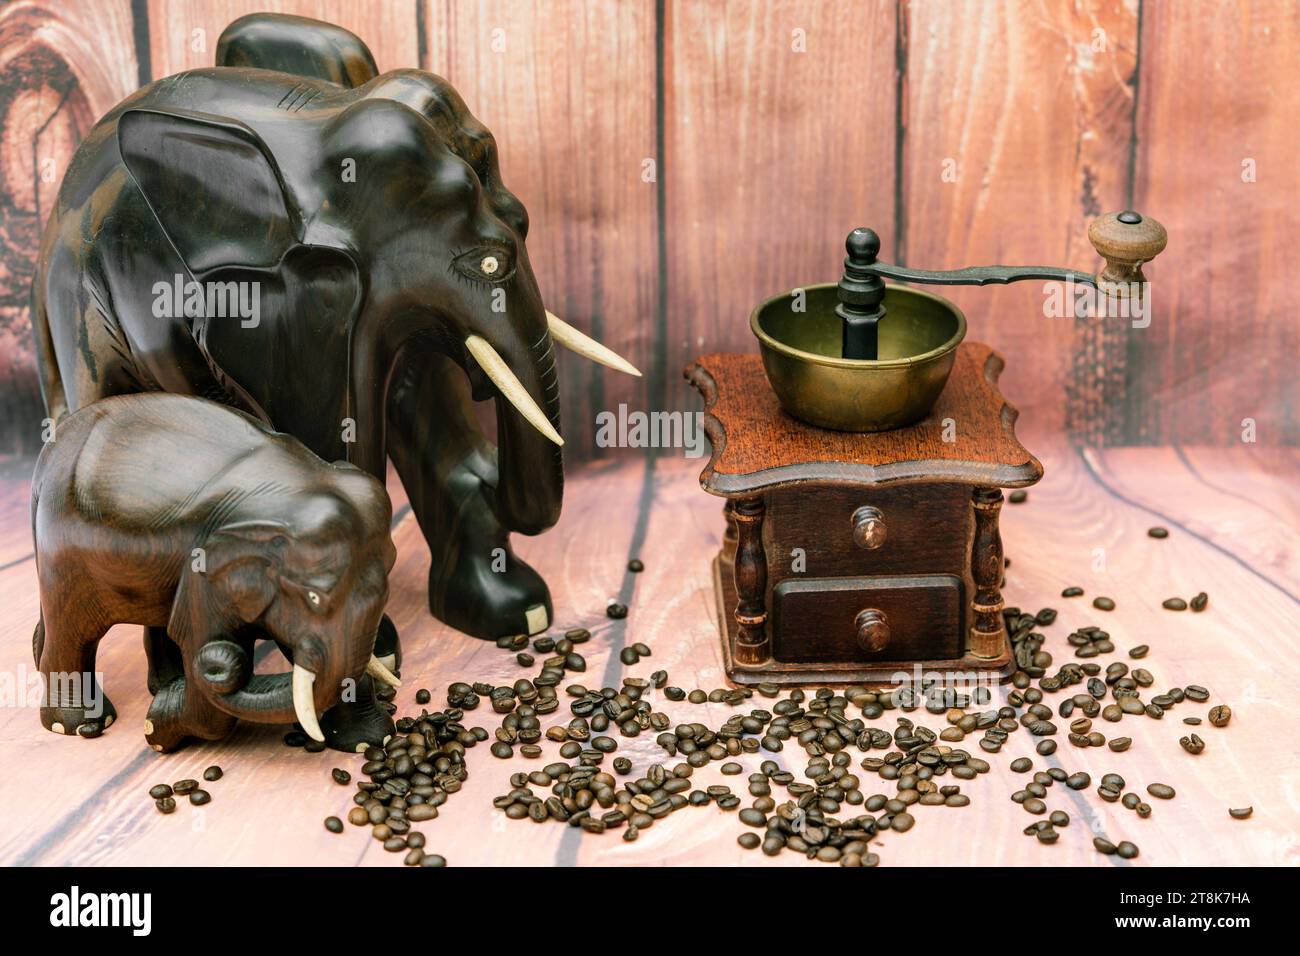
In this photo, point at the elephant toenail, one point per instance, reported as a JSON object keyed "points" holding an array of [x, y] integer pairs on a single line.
{"points": [[537, 619], [57, 728]]}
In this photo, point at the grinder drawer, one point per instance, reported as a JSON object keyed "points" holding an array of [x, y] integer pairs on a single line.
{"points": [[826, 620]]}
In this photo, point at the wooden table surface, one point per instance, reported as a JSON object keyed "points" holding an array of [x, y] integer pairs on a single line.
{"points": [[1233, 516]]}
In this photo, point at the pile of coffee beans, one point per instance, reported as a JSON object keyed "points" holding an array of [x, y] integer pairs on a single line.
{"points": [[164, 795]]}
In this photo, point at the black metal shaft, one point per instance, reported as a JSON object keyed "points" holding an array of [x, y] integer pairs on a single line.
{"points": [[861, 294]]}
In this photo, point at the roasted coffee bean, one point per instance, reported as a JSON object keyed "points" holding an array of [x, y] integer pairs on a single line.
{"points": [[502, 749], [749, 841], [1192, 744], [422, 696], [902, 822], [1047, 835], [1197, 693], [1220, 715], [1104, 846], [1103, 604], [524, 659], [341, 777], [1078, 781], [213, 773], [1139, 652], [165, 804], [1046, 747], [616, 611], [1120, 744], [358, 817], [635, 566], [1161, 791], [200, 797], [1022, 765], [1241, 813], [160, 791], [1174, 604], [1019, 496], [753, 818], [1126, 850], [1035, 805], [1200, 602], [182, 787], [1158, 532], [1059, 818], [334, 824], [604, 744], [1072, 592], [433, 859], [629, 656]]}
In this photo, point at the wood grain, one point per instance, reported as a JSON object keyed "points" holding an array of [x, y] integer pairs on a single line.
{"points": [[62, 65], [757, 446], [269, 806], [183, 33], [771, 157], [1017, 134], [567, 89], [1225, 288]]}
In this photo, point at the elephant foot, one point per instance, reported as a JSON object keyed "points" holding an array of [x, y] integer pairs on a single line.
{"points": [[490, 593], [80, 721], [174, 718], [352, 726]]}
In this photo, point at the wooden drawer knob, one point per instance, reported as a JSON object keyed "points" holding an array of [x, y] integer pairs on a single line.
{"points": [[869, 528], [873, 630]]}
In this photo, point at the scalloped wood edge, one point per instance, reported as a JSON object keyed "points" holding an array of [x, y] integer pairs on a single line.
{"points": [[917, 471]]}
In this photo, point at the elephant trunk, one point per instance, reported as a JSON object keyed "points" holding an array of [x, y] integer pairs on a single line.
{"points": [[530, 465], [316, 683]]}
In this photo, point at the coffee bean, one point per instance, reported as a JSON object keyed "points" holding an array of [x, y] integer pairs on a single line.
{"points": [[213, 773], [697, 697], [1220, 715], [629, 656], [160, 791], [616, 611], [422, 696], [165, 804], [1197, 693], [1104, 846], [358, 817], [1192, 744], [1120, 744], [749, 841], [334, 824], [1047, 835], [182, 787], [1138, 652], [753, 818], [1022, 765], [1174, 604], [341, 777], [200, 797], [731, 769], [1103, 604], [1078, 781], [1059, 818], [1200, 602], [1019, 496], [1241, 813], [502, 749], [1035, 806], [1126, 850], [1158, 532], [1072, 592], [1161, 791], [902, 822], [604, 744], [1046, 747], [433, 859]]}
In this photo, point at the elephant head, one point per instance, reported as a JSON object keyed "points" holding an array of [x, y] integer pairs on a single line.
{"points": [[372, 219], [316, 584]]}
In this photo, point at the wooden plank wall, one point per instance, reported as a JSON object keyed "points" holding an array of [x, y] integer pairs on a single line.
{"points": [[683, 159]]}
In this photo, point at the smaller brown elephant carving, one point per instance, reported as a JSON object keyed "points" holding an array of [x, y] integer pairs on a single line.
{"points": [[213, 531]]}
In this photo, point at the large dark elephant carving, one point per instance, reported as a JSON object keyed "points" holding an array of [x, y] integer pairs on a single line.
{"points": [[357, 227], [210, 529]]}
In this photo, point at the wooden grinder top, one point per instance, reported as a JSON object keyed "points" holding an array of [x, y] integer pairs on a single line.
{"points": [[757, 446]]}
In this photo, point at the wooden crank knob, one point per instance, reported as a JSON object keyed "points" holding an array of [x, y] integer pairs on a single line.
{"points": [[873, 630], [1125, 240], [869, 529]]}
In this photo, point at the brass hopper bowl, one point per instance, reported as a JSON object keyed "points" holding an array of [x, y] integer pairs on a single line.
{"points": [[860, 356]]}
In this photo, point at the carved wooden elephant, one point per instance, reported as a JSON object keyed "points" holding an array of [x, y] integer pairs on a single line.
{"points": [[178, 513], [363, 219]]}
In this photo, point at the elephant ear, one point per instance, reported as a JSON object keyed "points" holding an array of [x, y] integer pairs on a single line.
{"points": [[213, 186], [235, 583]]}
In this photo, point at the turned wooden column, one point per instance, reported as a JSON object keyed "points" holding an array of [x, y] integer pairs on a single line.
{"points": [[986, 568], [752, 645]]}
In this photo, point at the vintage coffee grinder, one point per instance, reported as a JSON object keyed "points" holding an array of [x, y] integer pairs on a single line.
{"points": [[862, 455]]}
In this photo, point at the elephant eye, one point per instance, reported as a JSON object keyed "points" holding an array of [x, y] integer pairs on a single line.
{"points": [[486, 264], [314, 598]]}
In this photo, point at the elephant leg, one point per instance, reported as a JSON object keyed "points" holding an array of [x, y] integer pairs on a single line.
{"points": [[476, 584], [176, 715], [354, 725], [74, 701]]}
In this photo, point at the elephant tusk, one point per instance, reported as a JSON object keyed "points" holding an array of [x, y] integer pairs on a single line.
{"points": [[495, 368], [304, 704], [378, 671], [588, 347]]}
